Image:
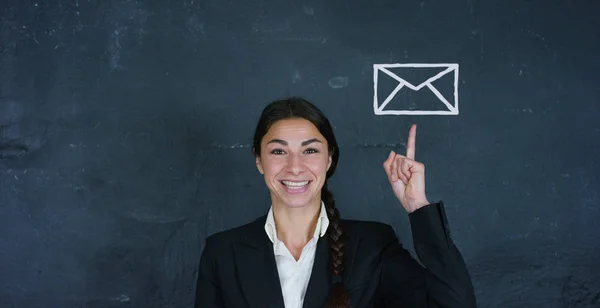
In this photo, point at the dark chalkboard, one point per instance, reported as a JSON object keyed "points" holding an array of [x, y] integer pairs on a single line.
{"points": [[125, 130]]}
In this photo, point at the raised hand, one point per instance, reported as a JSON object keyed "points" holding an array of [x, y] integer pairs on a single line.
{"points": [[407, 176]]}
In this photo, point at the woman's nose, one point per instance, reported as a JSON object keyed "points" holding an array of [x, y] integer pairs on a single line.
{"points": [[295, 163]]}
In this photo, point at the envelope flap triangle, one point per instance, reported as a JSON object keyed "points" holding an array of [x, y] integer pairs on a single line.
{"points": [[416, 76]]}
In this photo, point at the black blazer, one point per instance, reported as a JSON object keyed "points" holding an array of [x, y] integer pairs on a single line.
{"points": [[238, 269]]}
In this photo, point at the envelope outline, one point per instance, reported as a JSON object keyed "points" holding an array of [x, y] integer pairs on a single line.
{"points": [[450, 67]]}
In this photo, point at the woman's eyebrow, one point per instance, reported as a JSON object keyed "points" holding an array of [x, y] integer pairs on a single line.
{"points": [[309, 141], [304, 143]]}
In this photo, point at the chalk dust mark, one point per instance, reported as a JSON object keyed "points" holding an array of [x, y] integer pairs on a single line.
{"points": [[115, 45], [309, 10], [478, 30], [339, 82], [20, 29], [79, 26], [121, 298], [296, 76], [198, 172], [127, 18], [195, 28], [146, 215], [317, 39], [270, 26], [7, 63]]}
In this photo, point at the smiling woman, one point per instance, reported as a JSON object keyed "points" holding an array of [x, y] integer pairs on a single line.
{"points": [[302, 254]]}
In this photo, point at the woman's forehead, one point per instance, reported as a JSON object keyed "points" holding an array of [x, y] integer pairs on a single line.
{"points": [[293, 130]]}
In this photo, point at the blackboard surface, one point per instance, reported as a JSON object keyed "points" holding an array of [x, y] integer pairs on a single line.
{"points": [[125, 129]]}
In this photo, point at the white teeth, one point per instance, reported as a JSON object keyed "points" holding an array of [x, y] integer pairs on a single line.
{"points": [[295, 184]]}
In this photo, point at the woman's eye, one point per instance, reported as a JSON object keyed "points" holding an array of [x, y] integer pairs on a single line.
{"points": [[280, 151]]}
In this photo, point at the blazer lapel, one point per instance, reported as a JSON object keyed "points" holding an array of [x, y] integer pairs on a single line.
{"points": [[256, 268], [319, 284]]}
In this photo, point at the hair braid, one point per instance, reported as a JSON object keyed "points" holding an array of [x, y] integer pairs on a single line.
{"points": [[337, 240]]}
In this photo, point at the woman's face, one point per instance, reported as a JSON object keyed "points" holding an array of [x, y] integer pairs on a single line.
{"points": [[294, 161]]}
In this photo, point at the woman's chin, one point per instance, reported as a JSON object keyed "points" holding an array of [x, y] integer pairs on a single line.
{"points": [[296, 201]]}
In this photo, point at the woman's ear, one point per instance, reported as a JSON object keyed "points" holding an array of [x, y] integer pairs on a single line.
{"points": [[257, 162], [329, 163], [259, 165]]}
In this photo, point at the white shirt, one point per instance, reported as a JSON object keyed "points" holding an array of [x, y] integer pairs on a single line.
{"points": [[294, 275]]}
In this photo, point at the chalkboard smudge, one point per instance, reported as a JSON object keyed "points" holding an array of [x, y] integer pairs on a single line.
{"points": [[518, 236], [145, 215], [321, 40], [108, 302], [296, 77], [121, 298], [309, 10], [527, 110], [196, 28], [114, 47], [338, 82], [20, 132], [270, 26], [12, 150]]}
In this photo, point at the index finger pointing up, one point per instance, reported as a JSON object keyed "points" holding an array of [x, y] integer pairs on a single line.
{"points": [[410, 145]]}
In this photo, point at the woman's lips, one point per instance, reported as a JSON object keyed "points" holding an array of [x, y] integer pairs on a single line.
{"points": [[295, 187]]}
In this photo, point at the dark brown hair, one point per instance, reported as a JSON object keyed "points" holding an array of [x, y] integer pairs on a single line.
{"points": [[296, 107]]}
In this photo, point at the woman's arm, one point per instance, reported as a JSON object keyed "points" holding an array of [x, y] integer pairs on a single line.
{"points": [[443, 282], [208, 292]]}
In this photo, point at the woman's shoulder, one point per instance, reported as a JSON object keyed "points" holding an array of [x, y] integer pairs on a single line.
{"points": [[368, 238], [245, 232], [371, 230], [366, 225]]}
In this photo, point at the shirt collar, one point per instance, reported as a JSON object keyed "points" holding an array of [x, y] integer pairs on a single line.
{"points": [[320, 229]]}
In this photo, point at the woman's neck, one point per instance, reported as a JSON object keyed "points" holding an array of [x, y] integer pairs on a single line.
{"points": [[296, 226]]}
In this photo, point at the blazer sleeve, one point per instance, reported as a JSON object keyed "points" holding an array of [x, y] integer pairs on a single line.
{"points": [[444, 281], [208, 291]]}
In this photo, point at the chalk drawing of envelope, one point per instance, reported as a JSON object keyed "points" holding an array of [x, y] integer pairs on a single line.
{"points": [[380, 107]]}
